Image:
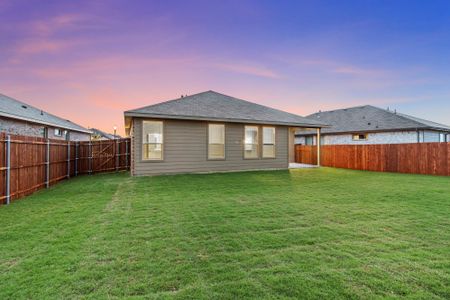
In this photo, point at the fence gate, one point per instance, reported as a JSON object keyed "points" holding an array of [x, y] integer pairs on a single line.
{"points": [[28, 164]]}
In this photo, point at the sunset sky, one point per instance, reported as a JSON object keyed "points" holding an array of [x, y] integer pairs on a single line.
{"points": [[88, 61]]}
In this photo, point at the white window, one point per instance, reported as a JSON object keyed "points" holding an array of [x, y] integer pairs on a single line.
{"points": [[152, 140], [58, 132], [268, 150], [442, 137], [360, 137], [216, 141], [251, 142]]}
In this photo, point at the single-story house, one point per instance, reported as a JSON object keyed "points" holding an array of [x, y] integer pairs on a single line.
{"points": [[19, 118], [99, 135], [211, 132], [372, 125]]}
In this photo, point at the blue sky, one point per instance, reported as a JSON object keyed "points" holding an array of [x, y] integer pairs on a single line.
{"points": [[90, 60]]}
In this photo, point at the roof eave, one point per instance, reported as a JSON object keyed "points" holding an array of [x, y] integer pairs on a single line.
{"points": [[195, 118], [11, 116], [380, 130]]}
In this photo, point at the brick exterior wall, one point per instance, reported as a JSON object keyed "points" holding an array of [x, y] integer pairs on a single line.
{"points": [[397, 137], [19, 127]]}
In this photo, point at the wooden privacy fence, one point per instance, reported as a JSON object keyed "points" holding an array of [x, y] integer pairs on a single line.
{"points": [[418, 158], [28, 164]]}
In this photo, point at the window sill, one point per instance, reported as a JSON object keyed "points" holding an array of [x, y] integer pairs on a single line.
{"points": [[151, 160]]}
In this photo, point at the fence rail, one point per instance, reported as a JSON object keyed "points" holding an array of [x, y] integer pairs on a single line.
{"points": [[28, 164], [418, 158]]}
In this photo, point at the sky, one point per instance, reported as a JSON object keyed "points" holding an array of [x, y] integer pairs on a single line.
{"points": [[88, 61]]}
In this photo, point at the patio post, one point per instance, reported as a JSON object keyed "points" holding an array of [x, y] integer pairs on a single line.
{"points": [[318, 147], [8, 169]]}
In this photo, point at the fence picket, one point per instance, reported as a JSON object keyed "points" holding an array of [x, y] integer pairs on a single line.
{"points": [[417, 158], [30, 163]]}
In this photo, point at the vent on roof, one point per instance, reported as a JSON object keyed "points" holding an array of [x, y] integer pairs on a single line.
{"points": [[42, 112], [369, 123], [24, 106]]}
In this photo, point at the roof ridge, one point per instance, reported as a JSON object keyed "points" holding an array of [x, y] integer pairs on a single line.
{"points": [[345, 108], [169, 101], [215, 105], [254, 103]]}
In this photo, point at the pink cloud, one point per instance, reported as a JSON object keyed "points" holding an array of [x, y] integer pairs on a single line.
{"points": [[57, 23], [248, 69], [44, 46]]}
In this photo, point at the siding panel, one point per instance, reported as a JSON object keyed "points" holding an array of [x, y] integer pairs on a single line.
{"points": [[185, 150]]}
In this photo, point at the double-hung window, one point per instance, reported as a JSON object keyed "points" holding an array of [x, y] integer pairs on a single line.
{"points": [[251, 142], [216, 141], [152, 147], [268, 148]]}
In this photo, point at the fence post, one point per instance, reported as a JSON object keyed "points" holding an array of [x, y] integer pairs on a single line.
{"points": [[8, 169], [68, 159], [117, 154], [90, 157], [47, 164], [76, 158], [126, 154], [318, 147]]}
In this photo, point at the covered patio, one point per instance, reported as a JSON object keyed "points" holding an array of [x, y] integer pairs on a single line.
{"points": [[292, 155]]}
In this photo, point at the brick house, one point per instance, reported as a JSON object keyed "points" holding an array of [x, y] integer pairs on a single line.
{"points": [[19, 118], [372, 125]]}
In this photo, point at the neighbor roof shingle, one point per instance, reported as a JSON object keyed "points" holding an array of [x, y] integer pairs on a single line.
{"points": [[211, 105], [370, 118], [16, 109]]}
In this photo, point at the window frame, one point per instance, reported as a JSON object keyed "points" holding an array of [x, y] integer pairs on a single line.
{"points": [[58, 130], [258, 145], [274, 143], [162, 141], [366, 137], [224, 142]]}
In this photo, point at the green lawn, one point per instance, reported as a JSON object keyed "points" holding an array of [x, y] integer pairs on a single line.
{"points": [[313, 233]]}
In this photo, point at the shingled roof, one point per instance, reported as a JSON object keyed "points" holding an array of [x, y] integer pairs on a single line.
{"points": [[214, 106], [370, 118], [15, 109]]}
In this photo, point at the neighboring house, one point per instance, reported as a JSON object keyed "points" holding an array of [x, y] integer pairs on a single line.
{"points": [[98, 135], [372, 125], [210, 132], [20, 118]]}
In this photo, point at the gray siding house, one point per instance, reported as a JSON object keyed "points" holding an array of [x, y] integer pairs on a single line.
{"points": [[372, 125], [19, 118], [211, 132]]}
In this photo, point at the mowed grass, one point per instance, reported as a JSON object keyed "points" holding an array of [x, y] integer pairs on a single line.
{"points": [[312, 233]]}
